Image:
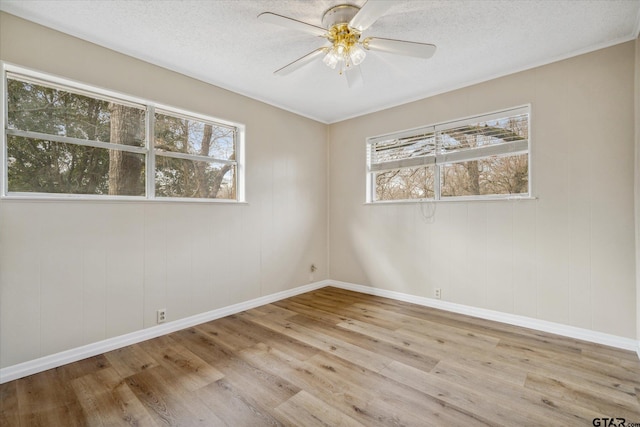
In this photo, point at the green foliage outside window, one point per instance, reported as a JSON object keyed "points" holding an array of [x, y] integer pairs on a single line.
{"points": [[62, 141]]}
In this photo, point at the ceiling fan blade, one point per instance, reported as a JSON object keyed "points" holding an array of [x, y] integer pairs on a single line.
{"points": [[294, 24], [369, 13], [354, 76], [300, 62], [400, 47]]}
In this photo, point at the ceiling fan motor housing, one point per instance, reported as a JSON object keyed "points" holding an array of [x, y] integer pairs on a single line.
{"points": [[340, 14]]}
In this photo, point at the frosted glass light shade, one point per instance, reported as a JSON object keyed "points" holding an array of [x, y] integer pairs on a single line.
{"points": [[357, 55], [331, 60]]}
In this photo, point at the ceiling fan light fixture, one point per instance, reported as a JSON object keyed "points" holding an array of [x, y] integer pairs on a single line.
{"points": [[357, 54], [331, 59], [344, 49]]}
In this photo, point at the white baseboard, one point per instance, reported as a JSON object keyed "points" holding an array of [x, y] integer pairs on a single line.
{"points": [[511, 319], [14, 372]]}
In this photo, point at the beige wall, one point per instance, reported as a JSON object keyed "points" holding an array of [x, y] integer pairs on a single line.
{"points": [[566, 257], [73, 273]]}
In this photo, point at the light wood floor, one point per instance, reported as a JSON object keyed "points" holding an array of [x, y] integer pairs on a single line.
{"points": [[336, 358]]}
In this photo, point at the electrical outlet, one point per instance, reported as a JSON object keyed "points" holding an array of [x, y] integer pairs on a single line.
{"points": [[162, 315], [312, 270], [438, 293]]}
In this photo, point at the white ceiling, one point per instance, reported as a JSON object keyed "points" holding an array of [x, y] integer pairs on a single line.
{"points": [[222, 42]]}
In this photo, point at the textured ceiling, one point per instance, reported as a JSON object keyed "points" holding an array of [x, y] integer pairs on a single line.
{"points": [[222, 42]]}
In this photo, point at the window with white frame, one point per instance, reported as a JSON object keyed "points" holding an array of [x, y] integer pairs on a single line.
{"points": [[482, 157], [194, 158], [66, 140]]}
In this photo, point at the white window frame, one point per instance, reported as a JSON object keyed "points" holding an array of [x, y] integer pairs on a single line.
{"points": [[437, 160], [147, 150]]}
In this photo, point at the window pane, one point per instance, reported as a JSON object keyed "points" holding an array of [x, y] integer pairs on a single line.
{"points": [[42, 166], [193, 137], [493, 175], [194, 179], [404, 184], [37, 108]]}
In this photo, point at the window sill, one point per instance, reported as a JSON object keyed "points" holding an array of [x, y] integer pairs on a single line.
{"points": [[13, 198], [452, 200]]}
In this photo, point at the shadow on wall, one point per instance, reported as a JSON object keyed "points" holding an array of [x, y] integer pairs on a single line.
{"points": [[392, 244]]}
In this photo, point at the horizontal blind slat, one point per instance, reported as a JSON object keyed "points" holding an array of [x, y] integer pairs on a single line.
{"points": [[516, 147], [403, 163]]}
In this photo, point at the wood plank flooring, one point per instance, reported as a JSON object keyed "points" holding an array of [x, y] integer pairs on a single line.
{"points": [[336, 358]]}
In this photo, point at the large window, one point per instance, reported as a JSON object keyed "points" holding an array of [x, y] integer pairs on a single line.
{"points": [[66, 140], [478, 158]]}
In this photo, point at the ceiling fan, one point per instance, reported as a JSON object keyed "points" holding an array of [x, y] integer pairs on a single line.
{"points": [[343, 28]]}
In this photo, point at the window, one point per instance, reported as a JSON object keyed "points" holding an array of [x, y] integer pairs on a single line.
{"points": [[66, 140], [194, 158], [478, 158]]}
